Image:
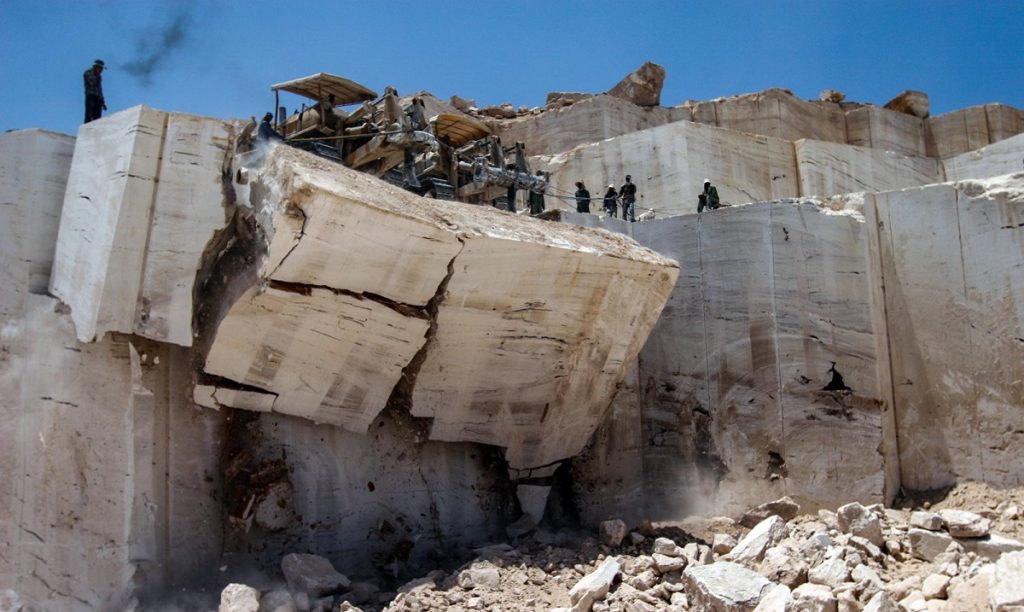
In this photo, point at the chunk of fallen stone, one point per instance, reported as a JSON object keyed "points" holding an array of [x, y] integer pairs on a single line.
{"points": [[881, 602], [991, 547], [778, 599], [723, 543], [665, 546], [479, 577], [857, 520], [784, 565], [612, 532], [239, 598], [277, 601], [751, 547], [724, 586], [963, 524], [784, 508], [312, 575], [926, 545], [926, 520], [832, 572], [1007, 590], [595, 585], [935, 586], [666, 564], [812, 597]]}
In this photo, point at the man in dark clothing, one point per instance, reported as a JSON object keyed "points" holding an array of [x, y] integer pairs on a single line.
{"points": [[708, 199], [611, 201], [582, 198], [536, 199], [266, 130], [94, 102], [628, 194]]}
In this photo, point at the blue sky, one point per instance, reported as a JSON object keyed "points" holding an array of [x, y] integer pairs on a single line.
{"points": [[960, 53]]}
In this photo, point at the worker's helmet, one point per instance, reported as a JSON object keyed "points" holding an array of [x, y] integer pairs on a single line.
{"points": [[706, 181], [99, 63], [610, 186]]}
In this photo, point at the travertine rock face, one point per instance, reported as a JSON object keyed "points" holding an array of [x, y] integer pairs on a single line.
{"points": [[440, 290], [967, 129], [144, 198], [773, 112], [910, 102], [642, 86], [1004, 157], [831, 169]]}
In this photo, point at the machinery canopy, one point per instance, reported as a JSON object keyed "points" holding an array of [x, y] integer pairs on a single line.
{"points": [[459, 128], [323, 84]]}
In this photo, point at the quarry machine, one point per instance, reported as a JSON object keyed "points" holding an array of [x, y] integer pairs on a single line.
{"points": [[450, 156]]}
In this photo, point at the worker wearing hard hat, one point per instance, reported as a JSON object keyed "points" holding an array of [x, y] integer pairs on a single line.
{"points": [[709, 197], [611, 202]]}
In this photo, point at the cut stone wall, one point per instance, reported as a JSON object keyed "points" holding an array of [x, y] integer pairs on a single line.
{"points": [[827, 169], [1003, 157]]}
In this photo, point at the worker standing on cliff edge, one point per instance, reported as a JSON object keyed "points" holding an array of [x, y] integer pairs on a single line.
{"points": [[628, 194], [94, 102], [709, 198]]}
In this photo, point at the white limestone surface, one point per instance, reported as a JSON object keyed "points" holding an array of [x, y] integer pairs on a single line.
{"points": [[1003, 157], [359, 275], [880, 128], [669, 164], [950, 257], [144, 197], [828, 168], [33, 175]]}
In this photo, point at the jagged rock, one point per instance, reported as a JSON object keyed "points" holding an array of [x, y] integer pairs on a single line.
{"points": [[666, 564], [831, 95], [926, 545], [899, 590], [565, 98], [857, 520], [312, 575], [867, 547], [723, 543], [239, 598], [595, 585], [724, 587], [914, 602], [533, 499], [751, 547], [665, 546], [881, 602], [783, 564], [612, 532], [814, 598], [926, 520], [644, 580], [1007, 590], [461, 104], [642, 86], [778, 599], [935, 586], [785, 508], [963, 524], [910, 102], [277, 601], [830, 572], [476, 577], [991, 547]]}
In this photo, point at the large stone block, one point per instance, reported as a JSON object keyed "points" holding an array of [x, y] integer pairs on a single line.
{"points": [[879, 128], [144, 197], [827, 169], [33, 175], [1004, 157], [526, 357]]}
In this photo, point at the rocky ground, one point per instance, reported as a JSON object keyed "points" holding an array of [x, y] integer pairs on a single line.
{"points": [[956, 551]]}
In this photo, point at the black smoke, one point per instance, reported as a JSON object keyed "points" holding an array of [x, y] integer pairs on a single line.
{"points": [[155, 46]]}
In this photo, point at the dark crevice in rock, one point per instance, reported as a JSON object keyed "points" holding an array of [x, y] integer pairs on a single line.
{"points": [[837, 383], [408, 310]]}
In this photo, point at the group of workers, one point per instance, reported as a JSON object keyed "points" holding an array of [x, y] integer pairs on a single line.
{"points": [[610, 203]]}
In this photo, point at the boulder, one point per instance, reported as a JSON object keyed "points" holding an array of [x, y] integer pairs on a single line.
{"points": [[462, 104], [277, 601], [565, 98], [926, 520], [785, 508], [665, 546], [666, 564], [830, 572], [784, 565], [723, 543], [312, 575], [831, 95], [595, 585], [935, 586], [239, 598], [926, 545], [724, 587], [910, 102], [612, 532], [642, 86], [1007, 590], [963, 524], [778, 599], [881, 602], [644, 580], [767, 533], [814, 598], [991, 547], [479, 577], [857, 520]]}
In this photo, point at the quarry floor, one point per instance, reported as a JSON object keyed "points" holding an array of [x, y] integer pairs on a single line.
{"points": [[538, 569]]}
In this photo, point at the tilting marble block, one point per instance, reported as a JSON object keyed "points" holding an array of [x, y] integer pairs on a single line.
{"points": [[951, 267], [144, 197], [773, 112], [1003, 157], [33, 175], [828, 169], [669, 164], [880, 128], [510, 331]]}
